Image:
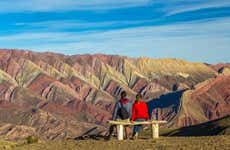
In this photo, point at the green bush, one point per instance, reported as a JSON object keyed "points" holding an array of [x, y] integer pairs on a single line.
{"points": [[31, 139]]}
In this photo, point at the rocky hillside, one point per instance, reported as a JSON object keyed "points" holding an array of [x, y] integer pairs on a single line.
{"points": [[206, 101], [60, 96]]}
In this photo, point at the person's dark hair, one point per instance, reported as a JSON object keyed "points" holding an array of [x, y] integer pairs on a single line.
{"points": [[123, 94], [138, 97]]}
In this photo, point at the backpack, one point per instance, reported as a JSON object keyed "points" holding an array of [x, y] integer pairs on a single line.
{"points": [[122, 112]]}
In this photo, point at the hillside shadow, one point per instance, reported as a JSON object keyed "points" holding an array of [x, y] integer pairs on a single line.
{"points": [[219, 126], [170, 100], [91, 134]]}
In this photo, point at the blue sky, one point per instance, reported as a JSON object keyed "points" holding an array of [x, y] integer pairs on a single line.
{"points": [[195, 30]]}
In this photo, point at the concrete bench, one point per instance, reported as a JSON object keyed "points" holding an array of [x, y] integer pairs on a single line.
{"points": [[120, 127]]}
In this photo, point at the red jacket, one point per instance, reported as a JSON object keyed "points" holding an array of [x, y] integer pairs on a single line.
{"points": [[140, 111]]}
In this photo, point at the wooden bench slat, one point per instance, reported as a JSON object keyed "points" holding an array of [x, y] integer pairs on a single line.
{"points": [[120, 122]]}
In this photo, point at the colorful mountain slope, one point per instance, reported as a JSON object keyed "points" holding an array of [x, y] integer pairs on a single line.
{"points": [[82, 89], [208, 100]]}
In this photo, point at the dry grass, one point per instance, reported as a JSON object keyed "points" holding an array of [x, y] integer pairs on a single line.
{"points": [[181, 142], [163, 143]]}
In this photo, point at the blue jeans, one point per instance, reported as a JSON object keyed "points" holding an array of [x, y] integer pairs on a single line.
{"points": [[137, 128]]}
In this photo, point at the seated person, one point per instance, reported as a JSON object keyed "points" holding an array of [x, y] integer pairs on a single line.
{"points": [[122, 111], [139, 113]]}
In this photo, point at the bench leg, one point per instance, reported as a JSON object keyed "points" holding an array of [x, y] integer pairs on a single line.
{"points": [[120, 132], [155, 131]]}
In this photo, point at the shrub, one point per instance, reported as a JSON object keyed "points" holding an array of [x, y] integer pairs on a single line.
{"points": [[31, 139]]}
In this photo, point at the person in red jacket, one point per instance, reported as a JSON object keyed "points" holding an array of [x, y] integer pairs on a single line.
{"points": [[139, 113]]}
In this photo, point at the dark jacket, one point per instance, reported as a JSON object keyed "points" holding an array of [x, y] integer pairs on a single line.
{"points": [[126, 104]]}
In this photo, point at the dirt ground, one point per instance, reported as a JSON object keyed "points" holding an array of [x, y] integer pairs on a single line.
{"points": [[163, 143]]}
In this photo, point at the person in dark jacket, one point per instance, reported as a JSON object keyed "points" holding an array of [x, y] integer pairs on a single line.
{"points": [[139, 113], [123, 102]]}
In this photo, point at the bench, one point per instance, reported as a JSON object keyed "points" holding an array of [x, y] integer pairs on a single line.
{"points": [[120, 127]]}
